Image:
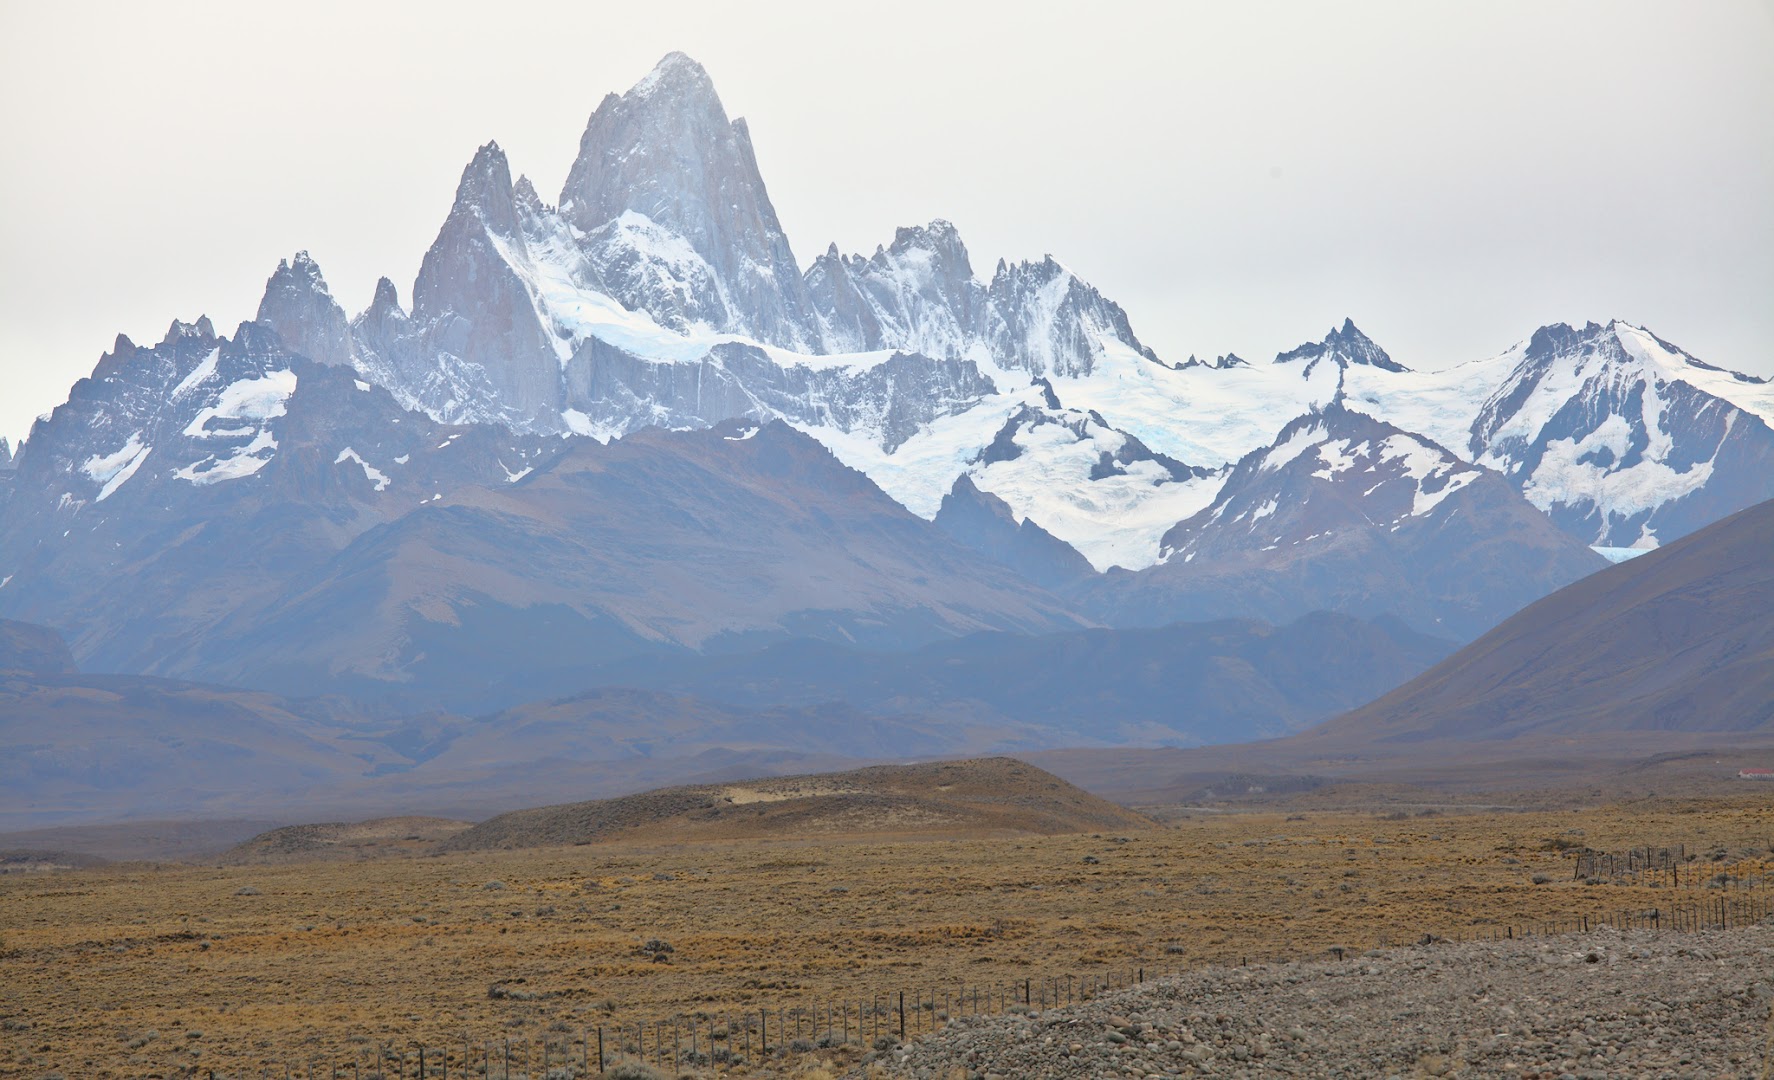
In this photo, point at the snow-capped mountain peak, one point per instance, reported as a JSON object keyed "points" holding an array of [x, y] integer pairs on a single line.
{"points": [[676, 75], [1346, 512], [1381, 475], [667, 152], [1623, 438]]}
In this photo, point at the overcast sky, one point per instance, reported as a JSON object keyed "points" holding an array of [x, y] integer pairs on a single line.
{"points": [[1238, 176]]}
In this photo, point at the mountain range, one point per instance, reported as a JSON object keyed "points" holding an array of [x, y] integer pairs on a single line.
{"points": [[629, 427]]}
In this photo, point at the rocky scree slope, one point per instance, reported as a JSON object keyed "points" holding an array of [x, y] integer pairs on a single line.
{"points": [[1599, 1005]]}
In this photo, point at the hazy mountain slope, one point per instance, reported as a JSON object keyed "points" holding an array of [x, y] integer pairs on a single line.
{"points": [[224, 509], [108, 747], [659, 540], [1679, 640], [614, 724], [26, 649]]}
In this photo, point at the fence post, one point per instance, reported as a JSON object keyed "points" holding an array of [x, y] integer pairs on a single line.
{"points": [[902, 1016]]}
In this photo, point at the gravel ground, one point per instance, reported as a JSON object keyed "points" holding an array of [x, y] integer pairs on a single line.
{"points": [[1599, 1005]]}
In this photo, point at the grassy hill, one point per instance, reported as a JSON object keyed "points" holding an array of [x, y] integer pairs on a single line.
{"points": [[981, 795]]}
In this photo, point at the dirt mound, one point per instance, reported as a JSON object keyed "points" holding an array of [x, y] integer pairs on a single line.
{"points": [[982, 795], [346, 840]]}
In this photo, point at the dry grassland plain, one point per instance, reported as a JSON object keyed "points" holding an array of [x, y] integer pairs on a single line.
{"points": [[241, 968]]}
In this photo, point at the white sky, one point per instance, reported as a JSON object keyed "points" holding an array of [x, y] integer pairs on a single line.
{"points": [[1238, 176]]}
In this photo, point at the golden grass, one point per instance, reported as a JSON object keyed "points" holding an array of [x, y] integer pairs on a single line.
{"points": [[402, 950]]}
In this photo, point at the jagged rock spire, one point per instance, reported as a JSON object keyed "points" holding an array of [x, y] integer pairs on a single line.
{"points": [[478, 318], [667, 152], [1343, 346], [299, 306]]}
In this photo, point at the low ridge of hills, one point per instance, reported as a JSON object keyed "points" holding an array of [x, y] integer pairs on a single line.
{"points": [[376, 838], [985, 795], [87, 748], [1227, 680]]}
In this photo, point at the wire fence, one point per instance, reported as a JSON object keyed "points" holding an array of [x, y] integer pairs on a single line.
{"points": [[1678, 866], [757, 1037]]}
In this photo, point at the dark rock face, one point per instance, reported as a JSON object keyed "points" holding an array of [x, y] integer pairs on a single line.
{"points": [[298, 305], [1609, 431], [481, 340], [1347, 513], [983, 522], [1051, 321], [918, 294]]}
